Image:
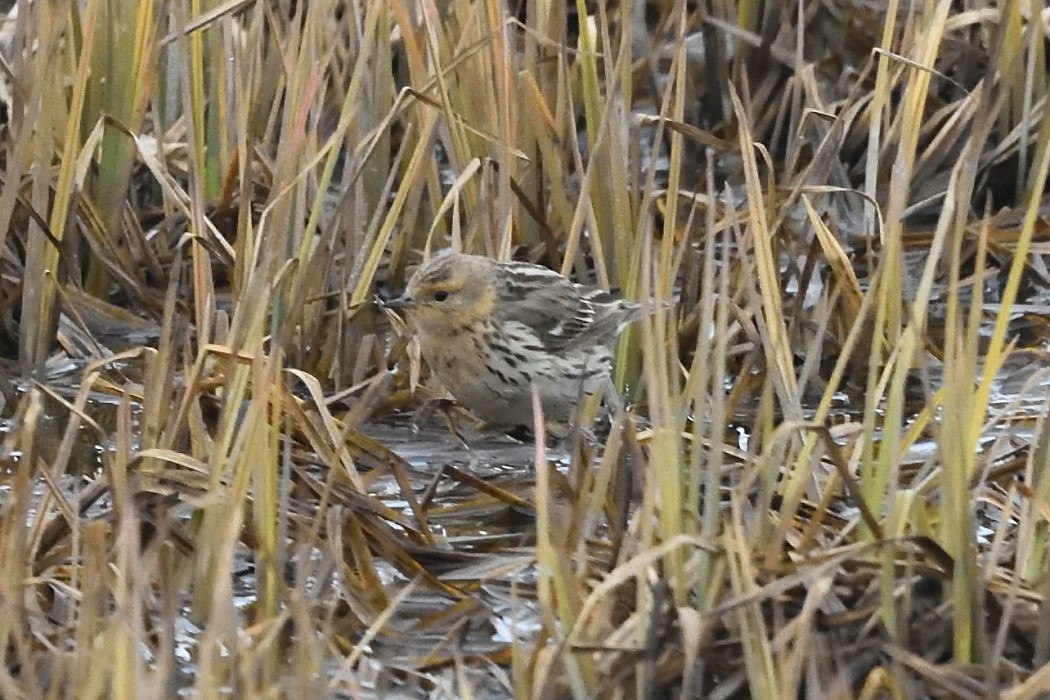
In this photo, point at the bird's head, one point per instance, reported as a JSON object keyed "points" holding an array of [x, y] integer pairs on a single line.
{"points": [[449, 291]]}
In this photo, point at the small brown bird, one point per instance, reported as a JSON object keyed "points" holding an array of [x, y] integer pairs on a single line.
{"points": [[489, 330]]}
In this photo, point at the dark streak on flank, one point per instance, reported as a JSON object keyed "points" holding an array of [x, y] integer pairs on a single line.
{"points": [[594, 372], [505, 378]]}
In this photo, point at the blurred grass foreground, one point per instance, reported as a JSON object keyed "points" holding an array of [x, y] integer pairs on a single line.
{"points": [[225, 473]]}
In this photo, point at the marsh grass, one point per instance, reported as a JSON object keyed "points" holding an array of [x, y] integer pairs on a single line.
{"points": [[832, 480]]}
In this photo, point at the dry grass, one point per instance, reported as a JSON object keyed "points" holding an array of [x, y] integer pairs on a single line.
{"points": [[834, 484]]}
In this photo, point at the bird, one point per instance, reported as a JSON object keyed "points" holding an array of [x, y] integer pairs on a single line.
{"points": [[490, 331]]}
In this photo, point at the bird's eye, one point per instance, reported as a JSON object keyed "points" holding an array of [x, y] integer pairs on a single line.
{"points": [[440, 295]]}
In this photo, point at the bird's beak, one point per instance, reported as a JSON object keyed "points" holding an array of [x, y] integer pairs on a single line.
{"points": [[401, 302]]}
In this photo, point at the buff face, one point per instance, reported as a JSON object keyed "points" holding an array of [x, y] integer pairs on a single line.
{"points": [[449, 292]]}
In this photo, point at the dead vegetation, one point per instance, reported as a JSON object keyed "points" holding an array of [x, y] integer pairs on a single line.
{"points": [[213, 484]]}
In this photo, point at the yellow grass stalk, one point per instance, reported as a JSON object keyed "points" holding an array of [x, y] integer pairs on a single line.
{"points": [[762, 678], [123, 57], [42, 255], [558, 589], [998, 348], [880, 473], [778, 351], [208, 101]]}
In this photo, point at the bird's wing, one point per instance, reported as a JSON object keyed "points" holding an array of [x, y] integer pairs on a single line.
{"points": [[562, 314]]}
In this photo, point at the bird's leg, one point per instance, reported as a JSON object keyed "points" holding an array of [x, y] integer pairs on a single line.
{"points": [[448, 410], [612, 397]]}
